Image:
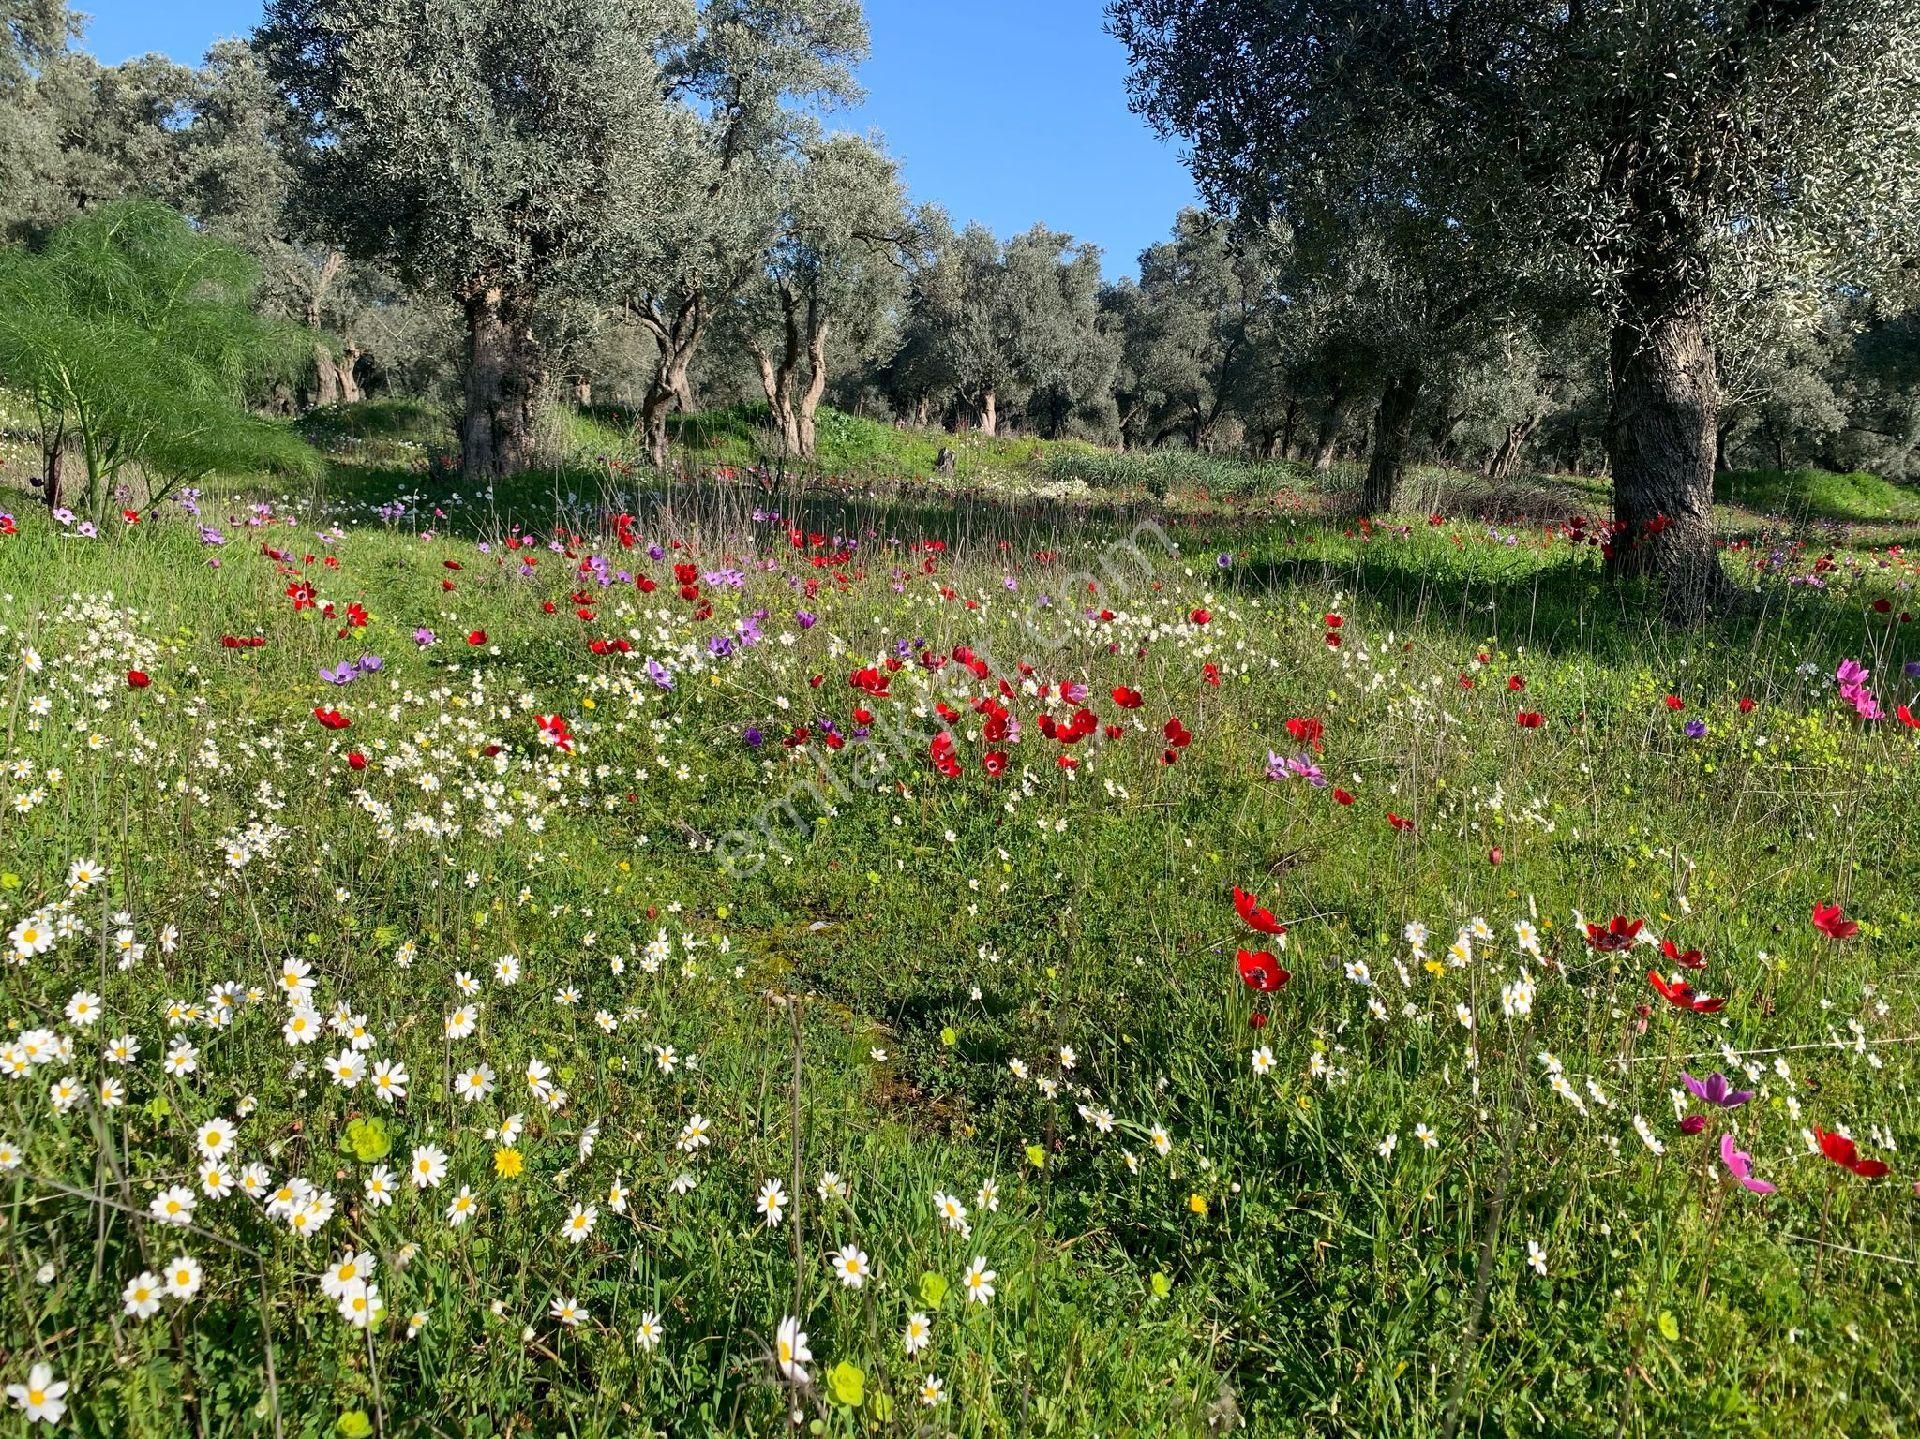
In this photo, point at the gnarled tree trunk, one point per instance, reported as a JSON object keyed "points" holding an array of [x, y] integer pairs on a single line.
{"points": [[809, 402], [990, 414], [326, 377], [1660, 444], [1506, 459], [1332, 421], [1393, 428], [502, 386], [676, 338]]}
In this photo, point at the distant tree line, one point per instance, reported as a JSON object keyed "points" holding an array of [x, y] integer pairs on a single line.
{"points": [[1646, 239]]}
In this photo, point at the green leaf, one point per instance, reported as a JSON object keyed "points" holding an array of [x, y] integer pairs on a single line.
{"points": [[354, 1424], [1036, 1156], [948, 1037], [847, 1384], [369, 1140], [933, 1289], [1669, 1326], [158, 1108], [1162, 1286]]}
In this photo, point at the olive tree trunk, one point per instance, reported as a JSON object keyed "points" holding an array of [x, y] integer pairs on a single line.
{"points": [[808, 404], [502, 387], [1661, 442], [676, 338], [1392, 430], [1332, 421], [326, 377], [350, 391], [1506, 459]]}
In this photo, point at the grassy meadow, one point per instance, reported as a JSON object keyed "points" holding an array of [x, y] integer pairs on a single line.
{"points": [[739, 955]]}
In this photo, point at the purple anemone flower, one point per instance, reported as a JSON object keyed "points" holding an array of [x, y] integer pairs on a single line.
{"points": [[1717, 1090]]}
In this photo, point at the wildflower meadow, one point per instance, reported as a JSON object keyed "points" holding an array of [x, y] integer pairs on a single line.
{"points": [[730, 958]]}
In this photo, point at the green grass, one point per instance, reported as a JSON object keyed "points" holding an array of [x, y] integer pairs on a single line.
{"points": [[926, 950], [1818, 495]]}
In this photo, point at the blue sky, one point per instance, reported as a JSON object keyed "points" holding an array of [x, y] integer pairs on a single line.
{"points": [[1004, 111]]}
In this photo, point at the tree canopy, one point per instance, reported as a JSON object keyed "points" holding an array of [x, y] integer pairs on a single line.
{"points": [[1660, 159]]}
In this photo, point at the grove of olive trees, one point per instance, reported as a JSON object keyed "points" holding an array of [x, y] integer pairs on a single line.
{"points": [[1646, 241]]}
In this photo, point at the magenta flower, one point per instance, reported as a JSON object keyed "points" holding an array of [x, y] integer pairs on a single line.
{"points": [[1740, 1164], [1852, 678], [1716, 1090]]}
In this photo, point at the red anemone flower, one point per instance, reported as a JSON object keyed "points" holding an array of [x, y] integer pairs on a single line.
{"points": [[1260, 971], [1253, 916], [1686, 959], [331, 718], [1617, 934], [1831, 921], [137, 679], [1681, 996], [1842, 1152], [1307, 732], [553, 731]]}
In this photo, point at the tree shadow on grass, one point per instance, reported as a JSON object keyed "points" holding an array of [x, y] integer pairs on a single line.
{"points": [[1564, 607]]}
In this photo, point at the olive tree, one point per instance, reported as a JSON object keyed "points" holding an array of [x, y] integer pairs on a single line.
{"points": [[837, 269], [1017, 327], [1660, 153], [492, 151], [76, 134], [754, 76]]}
